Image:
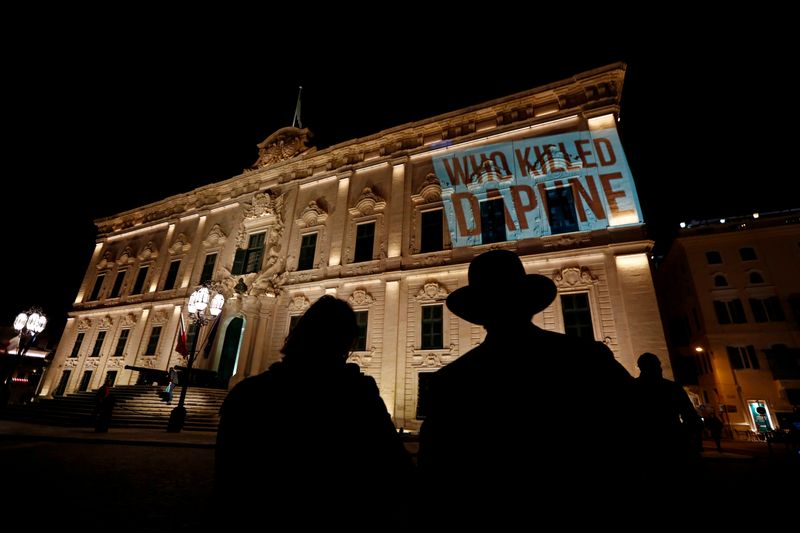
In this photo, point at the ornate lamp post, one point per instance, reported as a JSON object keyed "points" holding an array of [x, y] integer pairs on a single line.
{"points": [[28, 326], [205, 305]]}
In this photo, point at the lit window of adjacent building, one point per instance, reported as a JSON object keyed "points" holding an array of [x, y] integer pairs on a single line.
{"points": [[432, 327], [767, 309], [720, 280], [561, 210], [123, 340], [117, 284], [249, 260], [141, 276], [76, 348], [743, 357], [152, 343], [713, 258], [365, 242], [362, 318], [431, 231], [208, 268], [98, 344], [98, 285], [308, 248], [172, 275], [729, 312], [747, 254], [423, 388], [577, 315], [493, 221]]}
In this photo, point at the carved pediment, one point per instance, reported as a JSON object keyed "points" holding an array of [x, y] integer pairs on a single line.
{"points": [[107, 261], [129, 319], [181, 244], [432, 290], [216, 237], [312, 215], [149, 251], [569, 277], [299, 303], [84, 324], [368, 202], [284, 144], [160, 316], [127, 256], [360, 298], [106, 322], [430, 190]]}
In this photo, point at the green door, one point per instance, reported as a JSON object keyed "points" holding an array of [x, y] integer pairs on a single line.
{"points": [[230, 350]]}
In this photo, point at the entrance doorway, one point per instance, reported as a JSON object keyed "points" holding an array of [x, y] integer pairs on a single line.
{"points": [[229, 357]]}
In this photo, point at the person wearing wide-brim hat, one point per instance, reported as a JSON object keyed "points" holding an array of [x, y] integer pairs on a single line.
{"points": [[526, 404]]}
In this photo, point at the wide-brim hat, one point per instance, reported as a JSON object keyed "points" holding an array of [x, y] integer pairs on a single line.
{"points": [[499, 286]]}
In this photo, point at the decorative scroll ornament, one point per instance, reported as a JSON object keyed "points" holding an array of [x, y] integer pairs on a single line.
{"points": [[299, 303], [432, 290], [181, 244], [430, 190], [368, 202], [106, 322], [84, 324], [360, 298], [160, 316], [127, 256], [312, 215], [284, 144], [129, 319], [149, 251], [216, 237], [107, 261], [574, 277]]}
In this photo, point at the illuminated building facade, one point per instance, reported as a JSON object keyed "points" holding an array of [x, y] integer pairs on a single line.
{"points": [[388, 222], [730, 295]]}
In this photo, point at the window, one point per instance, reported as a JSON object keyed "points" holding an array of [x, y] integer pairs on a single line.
{"points": [[85, 380], [308, 247], [423, 388], [713, 258], [123, 340], [755, 278], [117, 284], [172, 275], [365, 242], [431, 228], [561, 210], [577, 315], [731, 311], [62, 383], [720, 280], [249, 260], [152, 343], [361, 321], [111, 377], [774, 309], [747, 254], [98, 344], [98, 284], [77, 346], [493, 221], [757, 307], [293, 320], [208, 268], [432, 327], [141, 276], [743, 357]]}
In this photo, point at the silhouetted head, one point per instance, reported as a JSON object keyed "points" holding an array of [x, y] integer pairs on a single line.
{"points": [[500, 291], [324, 334], [649, 364]]}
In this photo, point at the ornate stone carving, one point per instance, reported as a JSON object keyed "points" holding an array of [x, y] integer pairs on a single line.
{"points": [[72, 362], [127, 256], [129, 320], [432, 290], [368, 202], [181, 244], [429, 191], [92, 363], [160, 316], [299, 303], [216, 237], [148, 361], [312, 215], [263, 204], [149, 251], [565, 241], [284, 144], [106, 322], [362, 359], [360, 298], [107, 261], [569, 277], [84, 324]]}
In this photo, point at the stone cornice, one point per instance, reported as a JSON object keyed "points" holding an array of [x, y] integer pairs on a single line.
{"points": [[585, 94]]}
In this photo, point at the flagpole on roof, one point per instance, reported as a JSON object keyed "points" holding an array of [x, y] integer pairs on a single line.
{"points": [[296, 123]]}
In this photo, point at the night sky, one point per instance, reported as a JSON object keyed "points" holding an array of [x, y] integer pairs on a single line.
{"points": [[105, 120]]}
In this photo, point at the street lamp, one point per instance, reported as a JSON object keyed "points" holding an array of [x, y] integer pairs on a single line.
{"points": [[28, 326], [205, 305]]}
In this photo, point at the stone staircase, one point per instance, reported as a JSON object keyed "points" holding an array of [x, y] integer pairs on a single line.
{"points": [[137, 406]]}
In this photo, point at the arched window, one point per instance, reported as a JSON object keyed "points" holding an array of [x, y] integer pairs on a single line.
{"points": [[755, 278], [720, 280]]}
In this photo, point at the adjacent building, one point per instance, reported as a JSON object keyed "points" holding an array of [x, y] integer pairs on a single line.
{"points": [[730, 294], [388, 222]]}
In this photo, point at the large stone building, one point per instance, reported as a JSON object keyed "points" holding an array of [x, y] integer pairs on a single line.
{"points": [[388, 222], [730, 294]]}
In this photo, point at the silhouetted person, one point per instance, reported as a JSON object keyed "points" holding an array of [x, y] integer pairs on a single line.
{"points": [[529, 417], [714, 426], [171, 383], [311, 430], [671, 429], [104, 407]]}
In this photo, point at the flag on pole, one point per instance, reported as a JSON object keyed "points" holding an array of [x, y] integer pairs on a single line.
{"points": [[180, 346]]}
